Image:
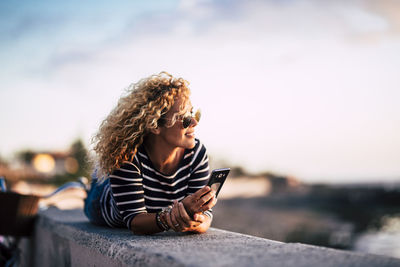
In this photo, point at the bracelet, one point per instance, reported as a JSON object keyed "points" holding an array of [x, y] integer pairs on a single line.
{"points": [[161, 215], [160, 224], [208, 214], [158, 221]]}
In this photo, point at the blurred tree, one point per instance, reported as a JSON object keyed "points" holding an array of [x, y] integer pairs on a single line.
{"points": [[77, 164], [80, 153]]}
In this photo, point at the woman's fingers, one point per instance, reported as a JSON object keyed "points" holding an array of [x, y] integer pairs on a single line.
{"points": [[205, 199], [184, 216], [178, 222], [168, 220], [210, 204], [181, 223], [199, 217], [202, 200], [190, 224], [200, 192], [171, 220]]}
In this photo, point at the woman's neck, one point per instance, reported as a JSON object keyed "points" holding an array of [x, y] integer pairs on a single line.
{"points": [[164, 158]]}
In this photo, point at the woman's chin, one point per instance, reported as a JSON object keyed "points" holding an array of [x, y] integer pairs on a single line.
{"points": [[191, 143]]}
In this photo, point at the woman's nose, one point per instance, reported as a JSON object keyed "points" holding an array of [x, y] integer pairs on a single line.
{"points": [[194, 122]]}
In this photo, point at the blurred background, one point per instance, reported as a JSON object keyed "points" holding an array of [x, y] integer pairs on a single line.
{"points": [[299, 97]]}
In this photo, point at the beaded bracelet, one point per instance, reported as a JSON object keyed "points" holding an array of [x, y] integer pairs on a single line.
{"points": [[164, 212], [160, 223]]}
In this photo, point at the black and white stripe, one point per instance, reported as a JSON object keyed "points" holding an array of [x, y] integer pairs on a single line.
{"points": [[137, 187]]}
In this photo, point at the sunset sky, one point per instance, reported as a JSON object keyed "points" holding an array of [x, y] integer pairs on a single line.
{"points": [[299, 87]]}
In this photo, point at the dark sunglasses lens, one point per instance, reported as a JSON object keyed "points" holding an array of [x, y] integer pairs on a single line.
{"points": [[187, 121]]}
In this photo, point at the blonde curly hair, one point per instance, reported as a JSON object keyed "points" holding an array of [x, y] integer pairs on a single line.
{"points": [[136, 113]]}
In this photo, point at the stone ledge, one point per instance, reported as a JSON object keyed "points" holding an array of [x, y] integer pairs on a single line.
{"points": [[66, 238]]}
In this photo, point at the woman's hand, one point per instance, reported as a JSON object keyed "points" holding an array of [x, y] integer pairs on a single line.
{"points": [[204, 199], [180, 221], [205, 223]]}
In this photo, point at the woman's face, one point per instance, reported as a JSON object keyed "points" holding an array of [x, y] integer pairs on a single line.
{"points": [[176, 135]]}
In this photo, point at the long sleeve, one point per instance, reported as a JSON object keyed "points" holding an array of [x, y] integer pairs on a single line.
{"points": [[127, 190]]}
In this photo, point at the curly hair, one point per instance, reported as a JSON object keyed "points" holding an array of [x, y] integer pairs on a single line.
{"points": [[136, 113]]}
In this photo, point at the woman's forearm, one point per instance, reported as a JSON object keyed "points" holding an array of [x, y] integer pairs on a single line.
{"points": [[145, 224]]}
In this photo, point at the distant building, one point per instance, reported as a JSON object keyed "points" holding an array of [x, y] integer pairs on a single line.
{"points": [[54, 163], [40, 165]]}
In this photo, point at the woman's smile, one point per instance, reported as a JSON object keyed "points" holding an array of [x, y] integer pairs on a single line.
{"points": [[190, 134]]}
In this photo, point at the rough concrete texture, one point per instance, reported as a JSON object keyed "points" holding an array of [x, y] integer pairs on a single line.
{"points": [[66, 238]]}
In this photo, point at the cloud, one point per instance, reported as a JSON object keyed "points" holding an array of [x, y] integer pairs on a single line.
{"points": [[28, 26], [216, 22]]}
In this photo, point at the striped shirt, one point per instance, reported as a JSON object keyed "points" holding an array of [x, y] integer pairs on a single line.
{"points": [[137, 187]]}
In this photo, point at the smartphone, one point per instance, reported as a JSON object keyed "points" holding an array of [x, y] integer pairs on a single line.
{"points": [[217, 179]]}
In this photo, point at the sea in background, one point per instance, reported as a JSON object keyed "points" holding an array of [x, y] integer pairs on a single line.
{"points": [[357, 217], [383, 241]]}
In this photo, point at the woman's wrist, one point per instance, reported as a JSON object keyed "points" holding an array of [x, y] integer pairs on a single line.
{"points": [[161, 222], [161, 218]]}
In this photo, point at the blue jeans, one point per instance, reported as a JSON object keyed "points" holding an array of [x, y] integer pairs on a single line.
{"points": [[92, 206]]}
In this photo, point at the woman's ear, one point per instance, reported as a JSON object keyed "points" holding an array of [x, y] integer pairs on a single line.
{"points": [[155, 130]]}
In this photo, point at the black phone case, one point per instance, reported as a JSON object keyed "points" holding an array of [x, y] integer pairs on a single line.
{"points": [[218, 176]]}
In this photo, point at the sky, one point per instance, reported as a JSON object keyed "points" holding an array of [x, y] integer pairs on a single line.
{"points": [[307, 88]]}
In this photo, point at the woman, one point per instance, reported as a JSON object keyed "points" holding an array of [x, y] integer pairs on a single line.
{"points": [[152, 171]]}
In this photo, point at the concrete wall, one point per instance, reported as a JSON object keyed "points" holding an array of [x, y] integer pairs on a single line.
{"points": [[66, 238]]}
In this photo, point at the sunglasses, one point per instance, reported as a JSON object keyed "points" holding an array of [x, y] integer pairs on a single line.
{"points": [[187, 118]]}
